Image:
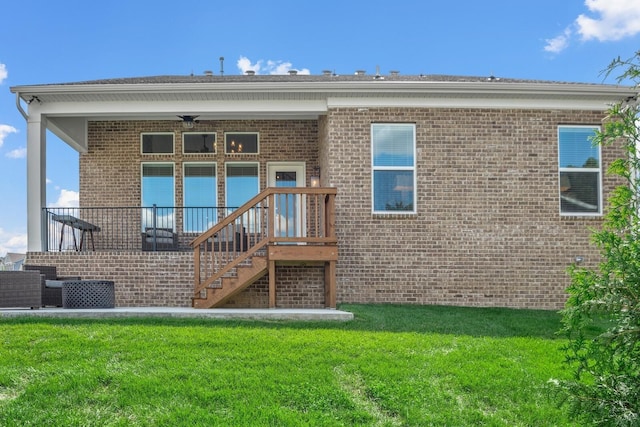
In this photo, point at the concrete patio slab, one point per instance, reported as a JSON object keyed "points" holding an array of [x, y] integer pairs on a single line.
{"points": [[185, 312]]}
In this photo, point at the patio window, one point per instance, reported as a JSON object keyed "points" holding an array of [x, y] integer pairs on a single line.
{"points": [[393, 160], [241, 184], [200, 197], [199, 143], [157, 195], [241, 143], [157, 143], [580, 171]]}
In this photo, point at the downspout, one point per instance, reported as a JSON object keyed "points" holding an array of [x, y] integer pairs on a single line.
{"points": [[24, 113]]}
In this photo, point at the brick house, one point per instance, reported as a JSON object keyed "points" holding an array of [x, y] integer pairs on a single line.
{"points": [[304, 191]]}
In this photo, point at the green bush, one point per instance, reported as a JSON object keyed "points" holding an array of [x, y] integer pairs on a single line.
{"points": [[605, 388]]}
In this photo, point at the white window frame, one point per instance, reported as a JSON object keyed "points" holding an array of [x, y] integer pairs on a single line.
{"points": [[215, 143], [226, 166], [173, 195], [588, 170], [249, 224], [173, 143], [257, 134], [413, 169], [184, 187]]}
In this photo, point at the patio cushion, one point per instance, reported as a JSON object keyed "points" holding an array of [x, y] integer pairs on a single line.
{"points": [[54, 283], [164, 240], [160, 233]]}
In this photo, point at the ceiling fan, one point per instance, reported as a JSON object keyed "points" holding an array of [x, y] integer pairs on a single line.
{"points": [[189, 121]]}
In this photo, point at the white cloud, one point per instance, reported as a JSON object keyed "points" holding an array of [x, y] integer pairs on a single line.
{"points": [[559, 43], [268, 67], [67, 199], [6, 130], [612, 20], [3, 72], [616, 19], [18, 153], [244, 65], [12, 242]]}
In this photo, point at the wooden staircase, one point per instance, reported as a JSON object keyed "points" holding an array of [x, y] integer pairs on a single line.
{"points": [[244, 247], [232, 285]]}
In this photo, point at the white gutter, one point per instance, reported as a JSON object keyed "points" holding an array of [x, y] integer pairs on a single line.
{"points": [[24, 113], [357, 87]]}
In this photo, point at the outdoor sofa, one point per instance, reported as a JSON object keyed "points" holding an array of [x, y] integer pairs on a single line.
{"points": [[51, 285], [21, 289]]}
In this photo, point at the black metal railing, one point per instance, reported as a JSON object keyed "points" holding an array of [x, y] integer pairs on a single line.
{"points": [[153, 228]]}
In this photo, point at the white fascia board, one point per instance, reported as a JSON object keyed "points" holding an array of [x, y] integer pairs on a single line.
{"points": [[352, 87], [153, 109], [460, 102]]}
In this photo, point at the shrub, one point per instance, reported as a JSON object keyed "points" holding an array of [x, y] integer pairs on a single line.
{"points": [[602, 315]]}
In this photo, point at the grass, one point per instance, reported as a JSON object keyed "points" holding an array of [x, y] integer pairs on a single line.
{"points": [[392, 365]]}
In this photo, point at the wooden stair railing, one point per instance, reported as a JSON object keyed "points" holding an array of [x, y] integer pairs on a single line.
{"points": [[232, 255]]}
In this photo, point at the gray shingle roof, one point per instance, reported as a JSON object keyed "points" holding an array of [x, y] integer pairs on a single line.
{"points": [[177, 79]]}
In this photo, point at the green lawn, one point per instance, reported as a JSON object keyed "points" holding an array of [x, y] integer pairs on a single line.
{"points": [[392, 365]]}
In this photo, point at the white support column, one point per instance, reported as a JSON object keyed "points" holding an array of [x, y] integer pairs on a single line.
{"points": [[36, 180]]}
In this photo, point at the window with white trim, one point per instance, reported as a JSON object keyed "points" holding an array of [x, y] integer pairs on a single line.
{"points": [[200, 196], [393, 164], [580, 171], [157, 142], [199, 142], [158, 195], [241, 143], [242, 183]]}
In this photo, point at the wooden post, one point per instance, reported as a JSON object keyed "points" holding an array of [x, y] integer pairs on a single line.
{"points": [[196, 267], [330, 284], [272, 284], [330, 207], [271, 216]]}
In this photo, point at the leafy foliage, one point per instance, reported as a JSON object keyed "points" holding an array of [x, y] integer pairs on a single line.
{"points": [[605, 388]]}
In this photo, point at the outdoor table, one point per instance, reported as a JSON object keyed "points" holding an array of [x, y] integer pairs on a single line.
{"points": [[88, 294], [78, 224]]}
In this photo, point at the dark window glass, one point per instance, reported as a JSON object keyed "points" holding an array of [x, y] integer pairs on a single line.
{"points": [[157, 143]]}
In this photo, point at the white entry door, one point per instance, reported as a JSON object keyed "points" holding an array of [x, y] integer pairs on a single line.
{"points": [[290, 208]]}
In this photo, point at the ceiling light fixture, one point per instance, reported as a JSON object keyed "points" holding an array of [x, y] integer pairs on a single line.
{"points": [[188, 121]]}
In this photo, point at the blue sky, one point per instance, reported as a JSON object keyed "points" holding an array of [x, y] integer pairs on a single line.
{"points": [[43, 41]]}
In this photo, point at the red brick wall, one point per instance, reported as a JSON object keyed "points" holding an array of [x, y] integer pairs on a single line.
{"points": [[487, 233], [110, 170], [165, 279], [110, 176], [488, 230]]}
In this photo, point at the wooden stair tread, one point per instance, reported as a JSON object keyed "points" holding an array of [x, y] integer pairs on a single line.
{"points": [[245, 276]]}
